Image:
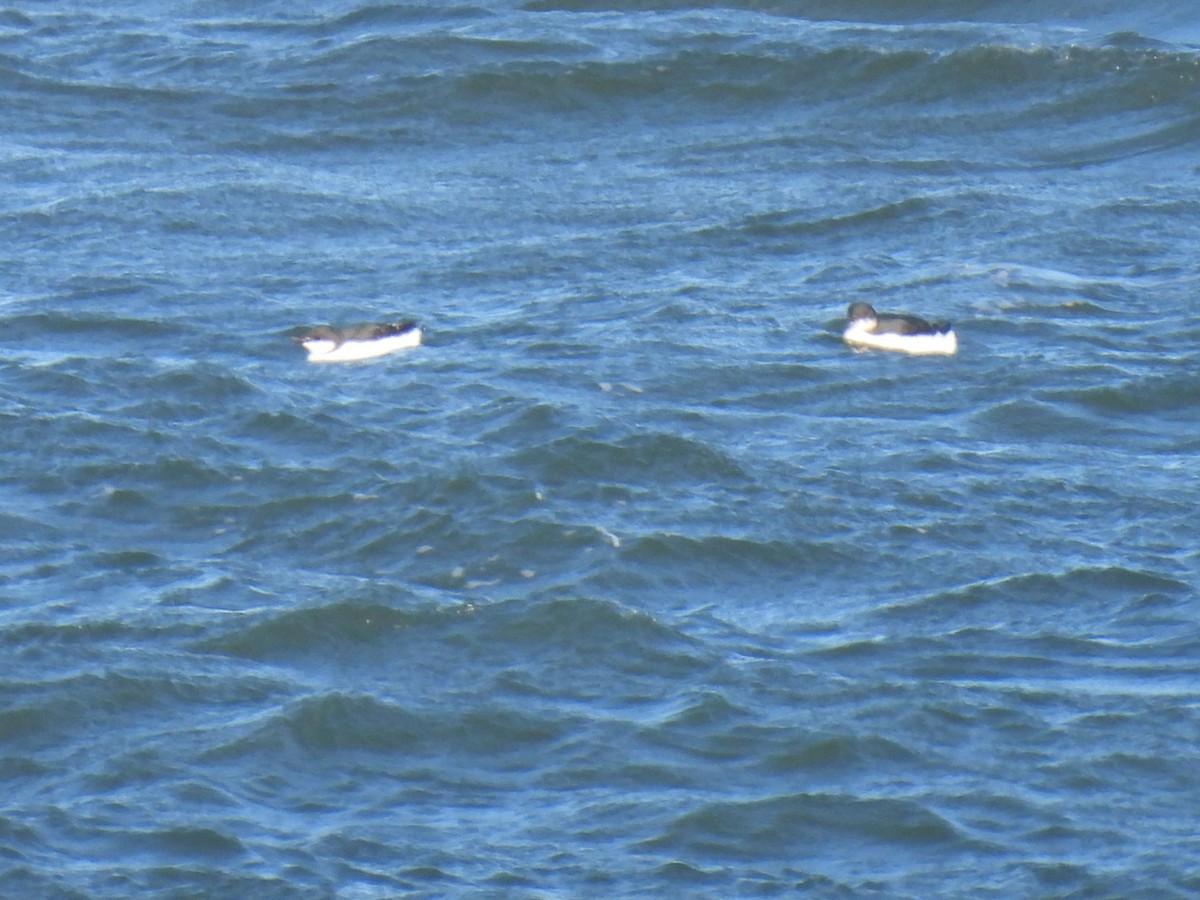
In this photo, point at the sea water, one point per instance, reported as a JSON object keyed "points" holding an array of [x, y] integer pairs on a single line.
{"points": [[633, 580]]}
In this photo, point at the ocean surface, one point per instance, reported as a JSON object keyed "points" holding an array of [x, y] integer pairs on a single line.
{"points": [[634, 580]]}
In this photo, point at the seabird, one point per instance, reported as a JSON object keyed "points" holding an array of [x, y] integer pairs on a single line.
{"points": [[363, 341], [897, 331]]}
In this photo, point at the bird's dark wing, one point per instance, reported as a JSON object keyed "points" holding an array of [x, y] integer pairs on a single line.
{"points": [[902, 324]]}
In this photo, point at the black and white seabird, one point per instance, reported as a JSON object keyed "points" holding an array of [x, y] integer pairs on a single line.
{"points": [[896, 331], [363, 341]]}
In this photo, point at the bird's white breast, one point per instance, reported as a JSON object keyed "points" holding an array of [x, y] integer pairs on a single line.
{"points": [[942, 344], [320, 350]]}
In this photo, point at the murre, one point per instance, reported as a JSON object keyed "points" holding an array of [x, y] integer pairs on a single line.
{"points": [[355, 342], [866, 328]]}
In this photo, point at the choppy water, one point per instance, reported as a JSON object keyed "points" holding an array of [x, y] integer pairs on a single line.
{"points": [[633, 581]]}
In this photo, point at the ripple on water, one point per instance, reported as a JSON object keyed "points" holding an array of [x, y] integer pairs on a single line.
{"points": [[550, 648], [1038, 600], [1134, 398], [799, 827], [641, 459]]}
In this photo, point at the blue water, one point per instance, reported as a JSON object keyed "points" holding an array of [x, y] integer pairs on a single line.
{"points": [[634, 580]]}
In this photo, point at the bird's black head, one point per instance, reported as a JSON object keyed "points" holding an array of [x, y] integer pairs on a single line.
{"points": [[859, 311]]}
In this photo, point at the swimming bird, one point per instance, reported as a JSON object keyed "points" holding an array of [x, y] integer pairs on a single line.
{"points": [[362, 341], [897, 331]]}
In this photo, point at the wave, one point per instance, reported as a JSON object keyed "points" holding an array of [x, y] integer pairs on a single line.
{"points": [[715, 559], [497, 659], [1134, 397], [340, 722], [1170, 20], [223, 19], [805, 826], [25, 328], [1085, 628], [782, 230], [539, 634], [1031, 419], [650, 460], [374, 75], [1009, 600]]}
